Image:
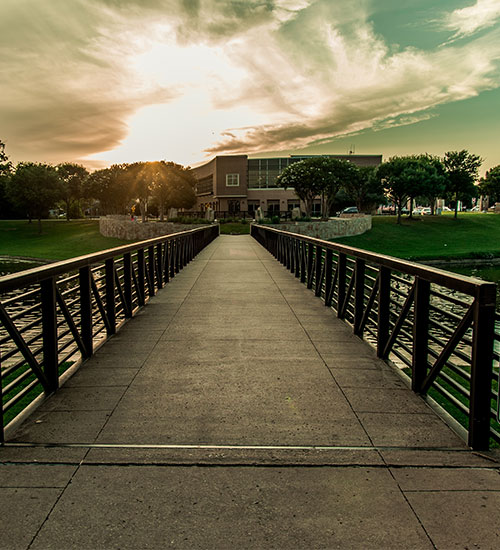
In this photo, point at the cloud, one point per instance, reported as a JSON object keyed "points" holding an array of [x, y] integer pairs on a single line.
{"points": [[79, 78], [327, 74], [66, 87], [467, 21]]}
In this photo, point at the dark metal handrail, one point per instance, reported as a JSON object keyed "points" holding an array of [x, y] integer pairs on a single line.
{"points": [[53, 317], [444, 343]]}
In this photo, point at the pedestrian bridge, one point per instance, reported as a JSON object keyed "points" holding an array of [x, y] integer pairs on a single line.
{"points": [[236, 410]]}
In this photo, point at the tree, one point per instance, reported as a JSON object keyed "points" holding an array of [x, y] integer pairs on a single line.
{"points": [[397, 181], [462, 172], [141, 184], [490, 184], [111, 187], [304, 180], [321, 176], [172, 186], [36, 188], [5, 163], [72, 177], [434, 180], [426, 178], [365, 190], [334, 175], [5, 172]]}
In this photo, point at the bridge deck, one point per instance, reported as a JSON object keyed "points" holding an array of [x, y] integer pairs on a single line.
{"points": [[236, 411]]}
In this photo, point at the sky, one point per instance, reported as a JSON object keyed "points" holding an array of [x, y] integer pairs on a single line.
{"points": [[109, 81]]}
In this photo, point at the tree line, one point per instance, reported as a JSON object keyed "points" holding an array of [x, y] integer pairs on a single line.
{"points": [[400, 180], [31, 189]]}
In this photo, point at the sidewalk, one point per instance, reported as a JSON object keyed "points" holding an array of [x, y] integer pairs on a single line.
{"points": [[236, 411]]}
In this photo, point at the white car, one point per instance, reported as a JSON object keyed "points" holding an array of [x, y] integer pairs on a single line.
{"points": [[426, 211]]}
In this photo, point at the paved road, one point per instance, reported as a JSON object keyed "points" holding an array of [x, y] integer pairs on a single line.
{"points": [[236, 411]]}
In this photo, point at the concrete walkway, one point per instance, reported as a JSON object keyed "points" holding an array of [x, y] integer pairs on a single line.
{"points": [[236, 411]]}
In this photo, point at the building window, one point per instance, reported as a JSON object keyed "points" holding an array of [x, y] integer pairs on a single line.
{"points": [[232, 180], [273, 207]]}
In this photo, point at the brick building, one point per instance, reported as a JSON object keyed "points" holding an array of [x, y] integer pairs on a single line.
{"points": [[236, 184]]}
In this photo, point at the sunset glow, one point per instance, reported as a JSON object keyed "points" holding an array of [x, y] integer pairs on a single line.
{"points": [[99, 82]]}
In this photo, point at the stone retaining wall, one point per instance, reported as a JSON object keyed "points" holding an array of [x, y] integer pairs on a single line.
{"points": [[122, 227], [337, 227]]}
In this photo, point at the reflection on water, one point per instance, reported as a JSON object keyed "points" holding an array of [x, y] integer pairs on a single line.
{"points": [[14, 265], [486, 272]]}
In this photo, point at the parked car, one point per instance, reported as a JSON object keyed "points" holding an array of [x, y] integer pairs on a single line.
{"points": [[350, 210], [417, 211], [426, 211]]}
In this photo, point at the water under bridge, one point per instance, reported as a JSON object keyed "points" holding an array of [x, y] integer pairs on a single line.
{"points": [[235, 410]]}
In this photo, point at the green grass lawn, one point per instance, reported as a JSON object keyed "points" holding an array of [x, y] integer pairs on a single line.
{"points": [[234, 228], [59, 239], [427, 237]]}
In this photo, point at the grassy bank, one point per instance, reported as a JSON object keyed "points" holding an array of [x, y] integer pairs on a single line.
{"points": [[59, 239], [234, 228], [431, 237]]}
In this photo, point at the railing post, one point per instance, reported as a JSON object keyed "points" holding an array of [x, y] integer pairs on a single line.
{"points": [[303, 262], [328, 277], [86, 311], [310, 252], [177, 253], [151, 271], [420, 334], [297, 257], [127, 283], [384, 304], [2, 431], [292, 254], [49, 332], [141, 283], [172, 255], [342, 275], [166, 258], [359, 295], [481, 367], [319, 268], [159, 267], [110, 295]]}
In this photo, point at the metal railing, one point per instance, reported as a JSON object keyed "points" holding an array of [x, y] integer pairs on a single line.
{"points": [[54, 317], [437, 327]]}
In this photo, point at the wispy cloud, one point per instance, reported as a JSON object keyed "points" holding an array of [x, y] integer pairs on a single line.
{"points": [[328, 74], [467, 21], [225, 76]]}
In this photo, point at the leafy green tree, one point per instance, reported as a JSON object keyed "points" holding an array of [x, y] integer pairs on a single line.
{"points": [[140, 184], [111, 187], [427, 178], [462, 172], [397, 181], [490, 184], [72, 177], [35, 188], [405, 178], [5, 163], [5, 172], [304, 179], [172, 186], [320, 176], [434, 179], [335, 174], [365, 190]]}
